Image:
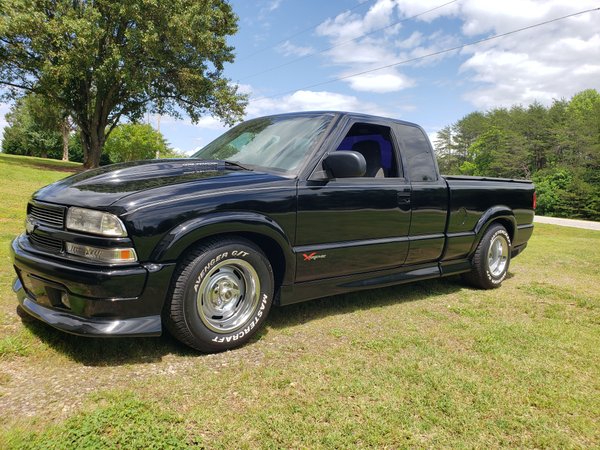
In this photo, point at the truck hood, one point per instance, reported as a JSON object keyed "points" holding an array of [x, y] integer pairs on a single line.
{"points": [[118, 186]]}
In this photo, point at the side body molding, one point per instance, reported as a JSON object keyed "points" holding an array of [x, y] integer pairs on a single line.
{"points": [[247, 224]]}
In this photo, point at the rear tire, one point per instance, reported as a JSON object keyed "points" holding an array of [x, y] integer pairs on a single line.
{"points": [[221, 295], [491, 259]]}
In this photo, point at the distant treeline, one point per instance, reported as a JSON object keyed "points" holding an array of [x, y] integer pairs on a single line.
{"points": [[558, 147], [36, 127]]}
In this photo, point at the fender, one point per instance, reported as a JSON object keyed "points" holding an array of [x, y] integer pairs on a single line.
{"points": [[502, 212], [187, 233]]}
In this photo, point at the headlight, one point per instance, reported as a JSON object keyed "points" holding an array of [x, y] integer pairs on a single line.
{"points": [[107, 255], [95, 222]]}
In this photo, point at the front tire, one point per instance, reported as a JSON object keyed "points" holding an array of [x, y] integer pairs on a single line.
{"points": [[221, 295], [491, 259]]}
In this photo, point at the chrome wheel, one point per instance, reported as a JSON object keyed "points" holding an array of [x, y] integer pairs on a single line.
{"points": [[498, 255], [228, 295]]}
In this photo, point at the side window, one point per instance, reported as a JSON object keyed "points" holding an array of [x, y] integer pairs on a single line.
{"points": [[375, 144], [419, 157]]}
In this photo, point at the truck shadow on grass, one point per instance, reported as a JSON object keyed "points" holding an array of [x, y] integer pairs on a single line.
{"points": [[282, 317], [120, 351]]}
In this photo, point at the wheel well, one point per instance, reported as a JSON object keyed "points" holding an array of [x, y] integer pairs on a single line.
{"points": [[510, 228], [505, 222], [269, 246]]}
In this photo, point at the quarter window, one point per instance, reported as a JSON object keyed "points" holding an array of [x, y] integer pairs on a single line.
{"points": [[418, 153]]}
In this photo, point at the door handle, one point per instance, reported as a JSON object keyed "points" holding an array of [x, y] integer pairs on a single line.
{"points": [[404, 198], [404, 201]]}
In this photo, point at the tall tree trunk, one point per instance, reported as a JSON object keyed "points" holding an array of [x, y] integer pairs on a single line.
{"points": [[65, 129], [94, 129], [93, 141], [91, 150]]}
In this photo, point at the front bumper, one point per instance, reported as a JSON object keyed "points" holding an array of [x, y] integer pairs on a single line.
{"points": [[90, 300]]}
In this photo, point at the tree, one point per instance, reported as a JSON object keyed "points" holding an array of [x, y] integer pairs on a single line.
{"points": [[496, 153], [51, 117], [32, 128], [583, 129], [37, 127], [106, 60], [557, 146], [132, 141], [444, 149], [466, 132]]}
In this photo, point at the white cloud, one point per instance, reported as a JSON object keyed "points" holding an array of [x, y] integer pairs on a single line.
{"points": [[411, 8], [432, 135], [244, 88], [380, 82], [268, 8], [209, 123], [365, 42], [415, 39], [302, 100], [549, 62], [273, 5], [289, 49], [310, 101], [552, 61]]}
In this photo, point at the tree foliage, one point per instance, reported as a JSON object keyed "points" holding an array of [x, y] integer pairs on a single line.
{"points": [[557, 146], [36, 127], [107, 60], [133, 141]]}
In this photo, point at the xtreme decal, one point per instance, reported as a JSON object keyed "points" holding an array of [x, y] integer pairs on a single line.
{"points": [[312, 256]]}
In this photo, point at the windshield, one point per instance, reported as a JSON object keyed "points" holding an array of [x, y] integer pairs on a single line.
{"points": [[279, 143]]}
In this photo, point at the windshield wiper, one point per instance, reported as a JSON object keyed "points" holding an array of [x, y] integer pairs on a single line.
{"points": [[234, 165]]}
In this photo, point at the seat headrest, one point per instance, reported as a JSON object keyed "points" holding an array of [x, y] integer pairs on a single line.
{"points": [[371, 151]]}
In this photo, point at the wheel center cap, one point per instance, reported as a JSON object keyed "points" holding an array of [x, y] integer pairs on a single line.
{"points": [[225, 292]]}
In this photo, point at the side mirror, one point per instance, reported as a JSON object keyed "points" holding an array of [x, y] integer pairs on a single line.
{"points": [[345, 164]]}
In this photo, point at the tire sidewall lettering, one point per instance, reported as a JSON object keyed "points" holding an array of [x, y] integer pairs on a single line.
{"points": [[207, 268], [224, 255], [241, 335]]}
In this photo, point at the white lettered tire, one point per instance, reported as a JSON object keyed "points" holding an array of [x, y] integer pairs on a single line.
{"points": [[221, 295], [491, 259]]}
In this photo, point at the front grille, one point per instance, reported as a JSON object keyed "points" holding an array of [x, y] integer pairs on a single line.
{"points": [[46, 243], [49, 215]]}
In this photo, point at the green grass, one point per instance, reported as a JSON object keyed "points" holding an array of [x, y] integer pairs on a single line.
{"points": [[433, 364], [114, 421], [34, 161]]}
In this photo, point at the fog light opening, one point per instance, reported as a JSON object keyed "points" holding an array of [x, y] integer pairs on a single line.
{"points": [[64, 298]]}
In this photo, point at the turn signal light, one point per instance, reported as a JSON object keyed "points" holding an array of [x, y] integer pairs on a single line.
{"points": [[107, 255]]}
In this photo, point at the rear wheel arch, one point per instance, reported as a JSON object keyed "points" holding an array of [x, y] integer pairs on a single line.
{"points": [[509, 225], [500, 215]]}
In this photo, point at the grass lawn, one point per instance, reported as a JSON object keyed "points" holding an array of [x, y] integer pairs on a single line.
{"points": [[429, 364]]}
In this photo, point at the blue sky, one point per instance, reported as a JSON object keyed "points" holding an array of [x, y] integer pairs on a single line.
{"points": [[343, 37], [552, 61]]}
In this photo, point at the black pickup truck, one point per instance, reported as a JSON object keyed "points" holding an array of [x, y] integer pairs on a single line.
{"points": [[278, 210]]}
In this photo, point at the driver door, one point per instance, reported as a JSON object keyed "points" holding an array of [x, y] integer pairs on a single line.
{"points": [[355, 225]]}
